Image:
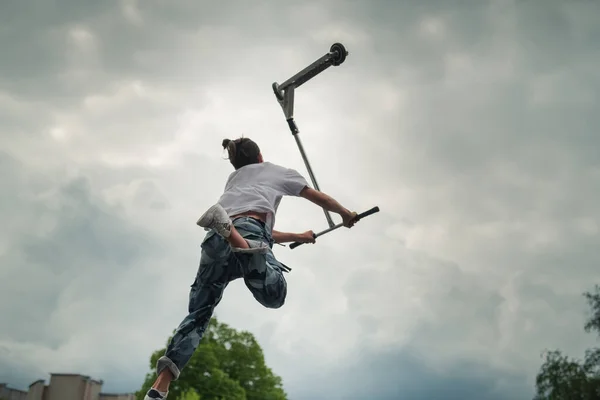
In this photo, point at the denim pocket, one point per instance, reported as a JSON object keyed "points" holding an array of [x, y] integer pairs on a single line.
{"points": [[250, 229]]}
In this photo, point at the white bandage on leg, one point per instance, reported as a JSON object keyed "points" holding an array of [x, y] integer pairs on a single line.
{"points": [[165, 362], [256, 247]]}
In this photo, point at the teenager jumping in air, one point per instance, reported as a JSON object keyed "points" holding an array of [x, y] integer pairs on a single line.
{"points": [[238, 245]]}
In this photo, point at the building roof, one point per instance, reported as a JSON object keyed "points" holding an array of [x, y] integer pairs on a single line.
{"points": [[6, 387], [38, 381], [67, 374]]}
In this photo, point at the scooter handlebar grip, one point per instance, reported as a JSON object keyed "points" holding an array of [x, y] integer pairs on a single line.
{"points": [[367, 213], [296, 244]]}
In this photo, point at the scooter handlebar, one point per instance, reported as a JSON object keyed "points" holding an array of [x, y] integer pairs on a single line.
{"points": [[337, 54], [358, 218]]}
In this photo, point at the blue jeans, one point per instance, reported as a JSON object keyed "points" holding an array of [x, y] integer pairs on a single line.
{"points": [[262, 273]]}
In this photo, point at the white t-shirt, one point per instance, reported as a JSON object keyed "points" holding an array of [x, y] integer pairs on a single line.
{"points": [[259, 188]]}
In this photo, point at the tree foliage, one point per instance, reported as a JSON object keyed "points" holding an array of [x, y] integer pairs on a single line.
{"points": [[228, 364], [564, 378], [190, 394], [593, 299]]}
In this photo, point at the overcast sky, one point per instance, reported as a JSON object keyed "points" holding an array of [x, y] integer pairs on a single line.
{"points": [[472, 124]]}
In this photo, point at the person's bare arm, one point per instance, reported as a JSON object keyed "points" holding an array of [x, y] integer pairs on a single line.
{"points": [[329, 203], [286, 237]]}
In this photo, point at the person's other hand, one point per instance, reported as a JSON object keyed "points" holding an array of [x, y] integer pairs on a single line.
{"points": [[307, 237]]}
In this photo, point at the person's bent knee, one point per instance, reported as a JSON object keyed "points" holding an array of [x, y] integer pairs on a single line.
{"points": [[274, 301], [275, 304]]}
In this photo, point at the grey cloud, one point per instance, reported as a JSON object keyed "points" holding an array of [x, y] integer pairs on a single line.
{"points": [[477, 143], [68, 259], [18, 375], [148, 194], [86, 229], [208, 43], [392, 374], [74, 240], [34, 46]]}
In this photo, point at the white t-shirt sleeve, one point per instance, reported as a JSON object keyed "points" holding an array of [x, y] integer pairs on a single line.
{"points": [[292, 182]]}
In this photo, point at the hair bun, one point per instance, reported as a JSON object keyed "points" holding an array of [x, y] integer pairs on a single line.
{"points": [[225, 143]]}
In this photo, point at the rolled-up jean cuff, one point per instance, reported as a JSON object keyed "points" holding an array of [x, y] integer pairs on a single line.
{"points": [[165, 362]]}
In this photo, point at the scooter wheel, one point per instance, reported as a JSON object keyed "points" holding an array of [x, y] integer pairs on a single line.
{"points": [[339, 53]]}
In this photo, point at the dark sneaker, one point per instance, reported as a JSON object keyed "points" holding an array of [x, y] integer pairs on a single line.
{"points": [[153, 394]]}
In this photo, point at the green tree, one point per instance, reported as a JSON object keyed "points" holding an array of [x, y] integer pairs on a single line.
{"points": [[190, 395], [564, 378], [228, 365]]}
